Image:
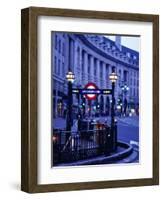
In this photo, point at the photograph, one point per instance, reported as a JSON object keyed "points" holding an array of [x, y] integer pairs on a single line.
{"points": [[90, 99], [94, 99]]}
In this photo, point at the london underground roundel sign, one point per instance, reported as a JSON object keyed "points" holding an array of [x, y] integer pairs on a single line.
{"points": [[90, 87]]}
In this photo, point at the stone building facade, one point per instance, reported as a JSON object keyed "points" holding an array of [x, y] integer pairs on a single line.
{"points": [[92, 58]]}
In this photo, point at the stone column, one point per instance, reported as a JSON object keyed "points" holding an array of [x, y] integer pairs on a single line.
{"points": [[76, 59], [80, 64], [98, 72], [104, 83], [71, 56], [107, 76], [92, 68], [104, 74], [85, 67], [109, 72]]}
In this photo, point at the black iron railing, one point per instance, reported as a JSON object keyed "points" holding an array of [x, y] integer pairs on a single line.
{"points": [[81, 145]]}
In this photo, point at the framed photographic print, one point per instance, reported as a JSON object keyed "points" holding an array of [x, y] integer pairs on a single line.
{"points": [[90, 99]]}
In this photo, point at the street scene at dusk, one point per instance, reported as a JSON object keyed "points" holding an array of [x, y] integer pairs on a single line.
{"points": [[95, 92]]}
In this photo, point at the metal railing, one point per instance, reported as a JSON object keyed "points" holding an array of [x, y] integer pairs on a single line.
{"points": [[81, 145]]}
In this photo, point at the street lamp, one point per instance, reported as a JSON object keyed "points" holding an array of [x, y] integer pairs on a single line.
{"points": [[113, 78], [125, 89], [70, 79]]}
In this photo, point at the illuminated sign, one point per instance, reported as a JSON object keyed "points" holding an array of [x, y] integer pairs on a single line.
{"points": [[91, 91]]}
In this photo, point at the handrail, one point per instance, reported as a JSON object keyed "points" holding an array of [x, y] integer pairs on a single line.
{"points": [[66, 143]]}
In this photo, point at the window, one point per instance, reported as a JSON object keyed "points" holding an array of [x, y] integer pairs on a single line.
{"points": [[55, 65], [58, 67], [63, 69], [89, 67], [63, 49], [101, 70], [56, 40], [95, 67], [59, 49], [113, 69], [134, 81], [119, 73], [83, 61], [78, 56], [125, 75]]}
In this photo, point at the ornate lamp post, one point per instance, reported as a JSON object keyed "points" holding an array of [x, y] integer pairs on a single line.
{"points": [[125, 89], [113, 78], [70, 79]]}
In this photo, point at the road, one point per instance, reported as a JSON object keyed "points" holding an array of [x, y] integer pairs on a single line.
{"points": [[128, 127], [128, 131]]}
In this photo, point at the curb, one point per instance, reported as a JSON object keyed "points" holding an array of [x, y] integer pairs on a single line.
{"points": [[105, 159]]}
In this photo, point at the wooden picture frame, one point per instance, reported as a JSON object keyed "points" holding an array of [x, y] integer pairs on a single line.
{"points": [[29, 86]]}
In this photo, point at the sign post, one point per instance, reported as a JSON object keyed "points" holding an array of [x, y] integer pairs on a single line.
{"points": [[91, 91]]}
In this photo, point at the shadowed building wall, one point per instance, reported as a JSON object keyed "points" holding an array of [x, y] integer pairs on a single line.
{"points": [[92, 58]]}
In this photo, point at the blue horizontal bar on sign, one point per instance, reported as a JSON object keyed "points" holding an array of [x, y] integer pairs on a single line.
{"points": [[92, 91]]}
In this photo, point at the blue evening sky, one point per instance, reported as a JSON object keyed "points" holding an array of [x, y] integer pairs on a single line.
{"points": [[130, 42]]}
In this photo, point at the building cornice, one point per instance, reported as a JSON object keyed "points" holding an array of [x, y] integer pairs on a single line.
{"points": [[104, 54]]}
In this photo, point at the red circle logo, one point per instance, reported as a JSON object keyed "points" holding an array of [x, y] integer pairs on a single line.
{"points": [[91, 86]]}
